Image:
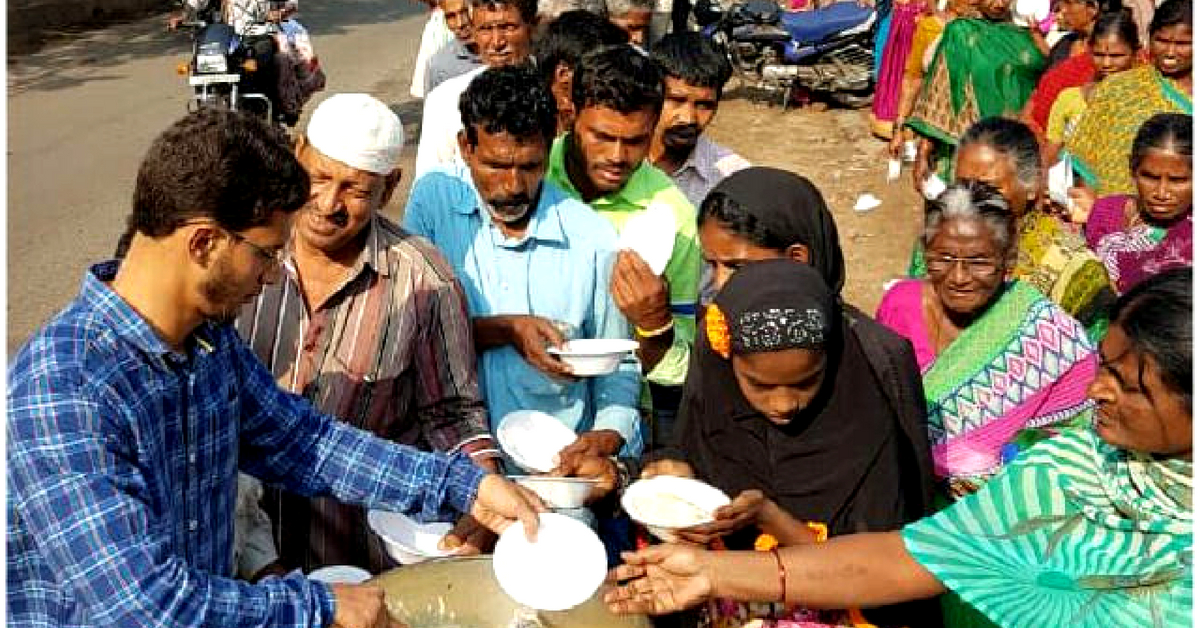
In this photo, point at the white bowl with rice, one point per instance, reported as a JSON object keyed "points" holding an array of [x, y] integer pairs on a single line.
{"points": [[667, 503]]}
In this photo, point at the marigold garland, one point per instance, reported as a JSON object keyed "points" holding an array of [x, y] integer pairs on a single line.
{"points": [[717, 330]]}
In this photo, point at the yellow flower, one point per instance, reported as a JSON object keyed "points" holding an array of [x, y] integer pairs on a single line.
{"points": [[717, 330], [765, 543]]}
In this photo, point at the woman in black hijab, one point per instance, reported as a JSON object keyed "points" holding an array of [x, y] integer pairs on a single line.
{"points": [[766, 213], [807, 427]]}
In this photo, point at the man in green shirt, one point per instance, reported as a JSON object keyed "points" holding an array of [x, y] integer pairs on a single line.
{"points": [[618, 95]]}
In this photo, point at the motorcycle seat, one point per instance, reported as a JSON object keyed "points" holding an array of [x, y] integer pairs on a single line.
{"points": [[811, 27]]}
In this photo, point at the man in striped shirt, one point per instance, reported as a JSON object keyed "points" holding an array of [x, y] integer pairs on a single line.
{"points": [[369, 324]]}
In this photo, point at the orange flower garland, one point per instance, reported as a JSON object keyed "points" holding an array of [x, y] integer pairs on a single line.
{"points": [[717, 330]]}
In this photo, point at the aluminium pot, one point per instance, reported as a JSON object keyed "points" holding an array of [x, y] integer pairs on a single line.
{"points": [[463, 593]]}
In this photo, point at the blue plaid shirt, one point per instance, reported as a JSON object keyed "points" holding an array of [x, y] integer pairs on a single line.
{"points": [[122, 473]]}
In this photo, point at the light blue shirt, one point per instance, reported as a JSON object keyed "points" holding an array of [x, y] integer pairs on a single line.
{"points": [[560, 271]]}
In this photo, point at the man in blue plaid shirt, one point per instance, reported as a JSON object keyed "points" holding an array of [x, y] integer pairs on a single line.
{"points": [[131, 411]]}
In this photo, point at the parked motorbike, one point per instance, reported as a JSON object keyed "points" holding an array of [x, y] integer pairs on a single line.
{"points": [[231, 71], [827, 51]]}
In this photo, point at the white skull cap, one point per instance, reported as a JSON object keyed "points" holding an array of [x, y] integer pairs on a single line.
{"points": [[358, 131]]}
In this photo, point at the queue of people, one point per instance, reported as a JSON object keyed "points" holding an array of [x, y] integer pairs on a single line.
{"points": [[1006, 442]]}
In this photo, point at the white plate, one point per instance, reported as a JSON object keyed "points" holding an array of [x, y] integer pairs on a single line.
{"points": [[532, 439], [671, 502], [340, 574], [651, 233], [403, 533], [560, 571]]}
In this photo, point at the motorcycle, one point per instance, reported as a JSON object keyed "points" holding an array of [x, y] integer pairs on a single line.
{"points": [[232, 71], [827, 51]]}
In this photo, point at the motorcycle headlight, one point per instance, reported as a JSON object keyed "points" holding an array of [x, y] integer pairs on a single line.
{"points": [[211, 64]]}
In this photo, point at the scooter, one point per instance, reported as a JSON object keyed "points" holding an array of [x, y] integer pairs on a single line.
{"points": [[231, 71], [827, 51]]}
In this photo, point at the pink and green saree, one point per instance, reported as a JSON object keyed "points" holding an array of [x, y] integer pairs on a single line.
{"points": [[1019, 371]]}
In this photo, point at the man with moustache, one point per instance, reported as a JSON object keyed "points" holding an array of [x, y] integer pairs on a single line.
{"points": [[534, 263], [503, 33], [694, 73], [618, 94], [132, 410], [368, 323]]}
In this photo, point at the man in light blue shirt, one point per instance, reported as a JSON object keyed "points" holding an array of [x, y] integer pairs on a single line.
{"points": [[535, 264]]}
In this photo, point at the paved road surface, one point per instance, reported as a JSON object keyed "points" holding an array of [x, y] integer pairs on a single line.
{"points": [[82, 112]]}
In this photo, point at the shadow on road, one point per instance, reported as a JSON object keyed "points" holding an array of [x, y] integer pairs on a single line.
{"points": [[65, 58]]}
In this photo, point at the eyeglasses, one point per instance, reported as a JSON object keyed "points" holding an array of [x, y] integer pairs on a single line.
{"points": [[275, 257], [271, 257], [980, 267]]}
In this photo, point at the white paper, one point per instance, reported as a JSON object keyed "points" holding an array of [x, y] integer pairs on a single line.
{"points": [[933, 187], [893, 173], [651, 234], [1059, 182], [866, 203]]}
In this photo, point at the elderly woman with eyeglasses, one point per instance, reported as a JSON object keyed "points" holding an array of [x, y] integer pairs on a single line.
{"points": [[1003, 366], [997, 357]]}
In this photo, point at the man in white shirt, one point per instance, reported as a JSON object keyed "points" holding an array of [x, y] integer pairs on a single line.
{"points": [[503, 34]]}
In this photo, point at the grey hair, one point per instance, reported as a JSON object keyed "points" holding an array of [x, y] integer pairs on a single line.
{"points": [[1014, 140], [973, 201], [621, 7]]}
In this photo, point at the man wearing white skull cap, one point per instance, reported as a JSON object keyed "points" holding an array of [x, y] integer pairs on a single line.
{"points": [[367, 322]]}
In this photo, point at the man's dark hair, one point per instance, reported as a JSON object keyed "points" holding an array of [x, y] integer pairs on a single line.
{"points": [[693, 59], [511, 100], [572, 35], [222, 165], [527, 8], [620, 78]]}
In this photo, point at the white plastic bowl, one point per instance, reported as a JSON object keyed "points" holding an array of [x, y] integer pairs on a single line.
{"points": [[558, 492], [532, 439], [340, 574], [407, 541], [681, 503], [596, 356]]}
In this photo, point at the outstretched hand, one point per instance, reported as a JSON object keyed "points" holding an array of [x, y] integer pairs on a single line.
{"points": [[660, 579]]}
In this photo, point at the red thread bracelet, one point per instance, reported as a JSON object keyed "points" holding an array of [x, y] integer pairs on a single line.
{"points": [[782, 576]]}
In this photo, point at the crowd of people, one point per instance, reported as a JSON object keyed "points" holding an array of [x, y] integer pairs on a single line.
{"points": [[1006, 442]]}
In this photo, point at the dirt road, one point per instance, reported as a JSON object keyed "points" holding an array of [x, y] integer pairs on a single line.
{"points": [[83, 109]]}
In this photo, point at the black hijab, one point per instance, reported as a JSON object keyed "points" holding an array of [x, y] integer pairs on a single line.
{"points": [[788, 209], [845, 460]]}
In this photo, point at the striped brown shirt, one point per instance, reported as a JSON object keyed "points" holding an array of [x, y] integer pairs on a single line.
{"points": [[389, 351]]}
